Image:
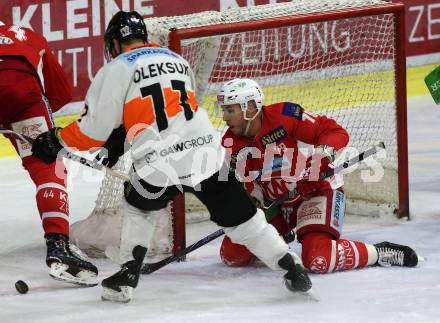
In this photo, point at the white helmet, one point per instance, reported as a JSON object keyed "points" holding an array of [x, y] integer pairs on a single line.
{"points": [[241, 91]]}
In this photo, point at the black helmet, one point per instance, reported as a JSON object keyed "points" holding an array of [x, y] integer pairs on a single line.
{"points": [[124, 26]]}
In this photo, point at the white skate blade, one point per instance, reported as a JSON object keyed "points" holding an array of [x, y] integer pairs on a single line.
{"points": [[83, 278], [124, 296], [421, 258], [310, 295]]}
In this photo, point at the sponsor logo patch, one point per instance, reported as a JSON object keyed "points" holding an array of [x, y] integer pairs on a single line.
{"points": [[293, 110], [132, 56], [278, 164], [319, 265], [338, 211], [312, 212], [242, 155], [274, 135], [187, 144], [31, 127]]}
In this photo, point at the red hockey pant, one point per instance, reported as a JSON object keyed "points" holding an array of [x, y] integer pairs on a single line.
{"points": [[24, 109]]}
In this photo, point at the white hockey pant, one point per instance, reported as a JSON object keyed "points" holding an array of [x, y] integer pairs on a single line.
{"points": [[262, 239]]}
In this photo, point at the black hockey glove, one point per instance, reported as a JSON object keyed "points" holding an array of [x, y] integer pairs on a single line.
{"points": [[289, 237], [47, 146], [114, 148]]}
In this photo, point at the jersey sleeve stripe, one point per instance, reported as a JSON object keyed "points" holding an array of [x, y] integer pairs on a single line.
{"points": [[136, 111], [73, 137]]}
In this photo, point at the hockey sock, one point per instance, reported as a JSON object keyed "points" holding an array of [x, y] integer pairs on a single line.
{"points": [[51, 195], [322, 254]]}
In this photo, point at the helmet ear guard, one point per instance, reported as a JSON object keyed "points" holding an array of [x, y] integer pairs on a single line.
{"points": [[241, 91], [124, 26]]}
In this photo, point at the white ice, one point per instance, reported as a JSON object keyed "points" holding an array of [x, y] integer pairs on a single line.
{"points": [[203, 290]]}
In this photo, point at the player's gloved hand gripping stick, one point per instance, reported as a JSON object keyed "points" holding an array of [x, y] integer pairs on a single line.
{"points": [[347, 164], [72, 156]]}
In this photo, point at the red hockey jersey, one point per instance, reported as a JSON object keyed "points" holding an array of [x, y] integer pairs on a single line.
{"points": [[274, 160], [23, 42]]}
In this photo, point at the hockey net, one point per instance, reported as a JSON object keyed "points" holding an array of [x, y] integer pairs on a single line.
{"points": [[344, 59]]}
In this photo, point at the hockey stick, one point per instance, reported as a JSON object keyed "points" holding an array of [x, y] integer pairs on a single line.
{"points": [[152, 267], [353, 161], [72, 156]]}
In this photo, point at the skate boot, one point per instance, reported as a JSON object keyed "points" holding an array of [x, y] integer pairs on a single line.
{"points": [[391, 254], [66, 265], [119, 287], [296, 279]]}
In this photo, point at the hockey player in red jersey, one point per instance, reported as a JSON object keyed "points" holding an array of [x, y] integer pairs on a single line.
{"points": [[264, 152], [32, 86]]}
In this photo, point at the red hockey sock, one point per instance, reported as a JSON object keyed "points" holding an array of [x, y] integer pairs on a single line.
{"points": [[51, 196], [322, 254]]}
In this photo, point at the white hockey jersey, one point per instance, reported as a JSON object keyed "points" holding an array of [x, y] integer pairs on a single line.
{"points": [[150, 90]]}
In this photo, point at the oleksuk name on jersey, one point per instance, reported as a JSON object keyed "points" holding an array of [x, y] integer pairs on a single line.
{"points": [[188, 144], [157, 69]]}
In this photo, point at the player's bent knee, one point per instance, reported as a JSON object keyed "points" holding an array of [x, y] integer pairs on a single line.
{"points": [[261, 238], [317, 251], [235, 255]]}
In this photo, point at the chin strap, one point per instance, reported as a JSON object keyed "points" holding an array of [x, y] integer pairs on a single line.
{"points": [[247, 127], [249, 123]]}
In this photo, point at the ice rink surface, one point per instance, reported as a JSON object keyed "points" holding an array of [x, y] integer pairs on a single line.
{"points": [[203, 290]]}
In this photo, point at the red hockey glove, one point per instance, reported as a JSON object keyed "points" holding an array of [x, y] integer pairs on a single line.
{"points": [[316, 165], [306, 188]]}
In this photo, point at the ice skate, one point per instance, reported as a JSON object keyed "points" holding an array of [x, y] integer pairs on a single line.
{"points": [[391, 254], [119, 287], [296, 279], [67, 265]]}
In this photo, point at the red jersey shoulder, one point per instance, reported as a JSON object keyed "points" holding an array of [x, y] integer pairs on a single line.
{"points": [[284, 110], [12, 34], [22, 41]]}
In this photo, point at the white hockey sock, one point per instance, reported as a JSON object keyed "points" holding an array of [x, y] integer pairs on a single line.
{"points": [[372, 254], [261, 238], [137, 229]]}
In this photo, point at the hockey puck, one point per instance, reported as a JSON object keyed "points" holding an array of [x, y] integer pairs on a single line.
{"points": [[21, 287]]}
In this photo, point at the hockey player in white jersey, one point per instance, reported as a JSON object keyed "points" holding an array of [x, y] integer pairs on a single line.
{"points": [[150, 92]]}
